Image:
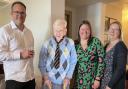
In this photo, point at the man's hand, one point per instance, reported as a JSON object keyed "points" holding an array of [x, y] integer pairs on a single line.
{"points": [[24, 54], [66, 83]]}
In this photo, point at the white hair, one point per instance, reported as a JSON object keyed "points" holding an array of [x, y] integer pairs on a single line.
{"points": [[59, 23]]}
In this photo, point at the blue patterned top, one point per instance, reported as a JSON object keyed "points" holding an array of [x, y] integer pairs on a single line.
{"points": [[68, 60]]}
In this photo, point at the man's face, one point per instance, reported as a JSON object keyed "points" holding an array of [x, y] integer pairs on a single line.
{"points": [[18, 14], [59, 31]]}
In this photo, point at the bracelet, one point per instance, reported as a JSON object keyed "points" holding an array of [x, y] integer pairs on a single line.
{"points": [[97, 80]]}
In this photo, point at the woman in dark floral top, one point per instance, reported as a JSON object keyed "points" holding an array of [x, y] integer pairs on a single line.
{"points": [[115, 59], [90, 65]]}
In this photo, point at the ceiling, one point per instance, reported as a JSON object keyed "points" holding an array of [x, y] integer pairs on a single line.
{"points": [[78, 3]]}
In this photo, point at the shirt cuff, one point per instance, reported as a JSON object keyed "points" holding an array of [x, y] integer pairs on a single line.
{"points": [[16, 55]]}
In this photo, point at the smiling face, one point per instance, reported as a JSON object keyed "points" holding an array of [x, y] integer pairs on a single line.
{"points": [[114, 31], [59, 29], [18, 14], [84, 32], [59, 32]]}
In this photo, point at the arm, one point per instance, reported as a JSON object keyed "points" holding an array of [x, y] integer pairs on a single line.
{"points": [[101, 64], [120, 59], [43, 60], [73, 61], [5, 53], [42, 66]]}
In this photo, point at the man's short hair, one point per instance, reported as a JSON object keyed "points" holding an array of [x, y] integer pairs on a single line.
{"points": [[18, 2]]}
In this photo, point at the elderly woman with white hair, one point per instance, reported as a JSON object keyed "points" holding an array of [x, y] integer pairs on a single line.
{"points": [[57, 58]]}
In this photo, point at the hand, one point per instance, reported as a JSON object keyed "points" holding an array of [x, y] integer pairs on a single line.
{"points": [[24, 54], [66, 83], [48, 84], [107, 87], [96, 84]]}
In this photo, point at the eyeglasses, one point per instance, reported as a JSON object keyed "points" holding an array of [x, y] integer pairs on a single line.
{"points": [[19, 13]]}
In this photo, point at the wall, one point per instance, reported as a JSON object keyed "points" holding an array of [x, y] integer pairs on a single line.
{"points": [[81, 15], [4, 15], [95, 14], [57, 9], [125, 24], [39, 21], [114, 11]]}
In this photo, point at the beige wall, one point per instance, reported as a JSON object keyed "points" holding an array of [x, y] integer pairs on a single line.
{"points": [[4, 15], [125, 24], [114, 11], [39, 21], [95, 14], [57, 9]]}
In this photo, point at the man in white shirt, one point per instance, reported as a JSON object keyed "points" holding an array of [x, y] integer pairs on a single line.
{"points": [[16, 50]]}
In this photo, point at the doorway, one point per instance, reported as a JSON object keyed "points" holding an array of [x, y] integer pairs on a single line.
{"points": [[68, 18]]}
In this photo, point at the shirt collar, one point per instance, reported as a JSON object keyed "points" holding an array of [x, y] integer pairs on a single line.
{"points": [[13, 25], [59, 41], [64, 41]]}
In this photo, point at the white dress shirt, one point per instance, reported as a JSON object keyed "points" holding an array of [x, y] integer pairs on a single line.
{"points": [[12, 41]]}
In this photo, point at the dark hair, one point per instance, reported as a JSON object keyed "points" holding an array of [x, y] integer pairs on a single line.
{"points": [[120, 27], [18, 2], [85, 22]]}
